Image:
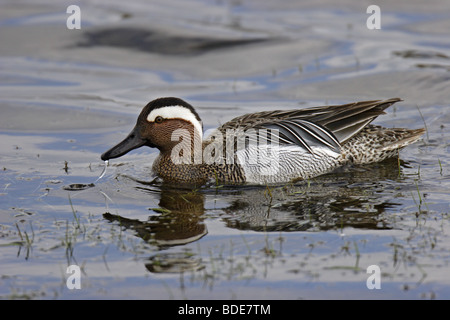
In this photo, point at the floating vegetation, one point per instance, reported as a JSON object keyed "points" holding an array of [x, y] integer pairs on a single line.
{"points": [[78, 186], [84, 186]]}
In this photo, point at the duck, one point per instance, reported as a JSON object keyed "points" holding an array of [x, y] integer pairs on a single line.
{"points": [[266, 147]]}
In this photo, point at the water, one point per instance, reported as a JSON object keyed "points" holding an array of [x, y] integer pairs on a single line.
{"points": [[66, 96]]}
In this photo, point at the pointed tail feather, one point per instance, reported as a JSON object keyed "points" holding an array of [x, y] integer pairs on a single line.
{"points": [[408, 137]]}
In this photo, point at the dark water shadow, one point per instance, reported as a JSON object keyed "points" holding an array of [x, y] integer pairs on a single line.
{"points": [[156, 41]]}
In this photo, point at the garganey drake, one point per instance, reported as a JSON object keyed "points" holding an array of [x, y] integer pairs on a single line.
{"points": [[266, 147]]}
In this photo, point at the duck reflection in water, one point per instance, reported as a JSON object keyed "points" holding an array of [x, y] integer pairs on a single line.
{"points": [[328, 202], [356, 198], [180, 220]]}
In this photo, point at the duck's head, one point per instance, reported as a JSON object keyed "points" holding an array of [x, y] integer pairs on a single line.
{"points": [[155, 126]]}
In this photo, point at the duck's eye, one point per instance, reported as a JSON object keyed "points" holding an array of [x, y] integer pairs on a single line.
{"points": [[159, 119]]}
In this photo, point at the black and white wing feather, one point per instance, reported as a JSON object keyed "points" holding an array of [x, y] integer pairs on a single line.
{"points": [[325, 126], [303, 133]]}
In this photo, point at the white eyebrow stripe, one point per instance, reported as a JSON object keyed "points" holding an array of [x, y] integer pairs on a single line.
{"points": [[176, 112]]}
